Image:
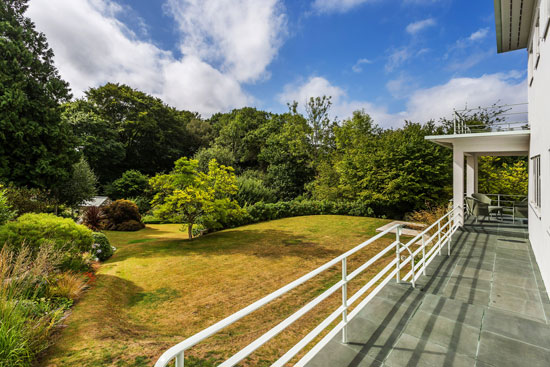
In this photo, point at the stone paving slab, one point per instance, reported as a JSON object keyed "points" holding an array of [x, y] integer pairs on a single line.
{"points": [[485, 306]]}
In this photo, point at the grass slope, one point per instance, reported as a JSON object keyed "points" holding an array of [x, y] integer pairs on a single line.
{"points": [[159, 289]]}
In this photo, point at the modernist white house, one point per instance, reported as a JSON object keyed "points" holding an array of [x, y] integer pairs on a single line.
{"points": [[519, 25], [456, 294]]}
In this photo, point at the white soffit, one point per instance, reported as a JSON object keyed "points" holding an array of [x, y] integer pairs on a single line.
{"points": [[513, 20]]}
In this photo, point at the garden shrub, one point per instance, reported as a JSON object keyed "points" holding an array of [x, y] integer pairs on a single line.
{"points": [[101, 247], [151, 219], [93, 218], [260, 212], [24, 200], [123, 215], [6, 212], [35, 230], [253, 190], [143, 203], [130, 226]]}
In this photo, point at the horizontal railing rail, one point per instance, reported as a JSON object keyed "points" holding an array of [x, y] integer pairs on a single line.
{"points": [[462, 128], [442, 230]]}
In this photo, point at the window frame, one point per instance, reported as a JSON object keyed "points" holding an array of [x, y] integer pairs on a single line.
{"points": [[535, 197], [536, 40]]}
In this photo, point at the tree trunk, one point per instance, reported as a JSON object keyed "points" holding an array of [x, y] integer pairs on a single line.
{"points": [[190, 230]]}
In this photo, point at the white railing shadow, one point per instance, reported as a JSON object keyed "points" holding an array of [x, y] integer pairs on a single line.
{"points": [[417, 246]]}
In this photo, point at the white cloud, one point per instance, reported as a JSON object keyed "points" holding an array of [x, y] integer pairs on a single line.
{"points": [[336, 6], [422, 104], [397, 58], [313, 87], [466, 62], [93, 47], [457, 93], [416, 27], [402, 86], [357, 68], [479, 34], [243, 35]]}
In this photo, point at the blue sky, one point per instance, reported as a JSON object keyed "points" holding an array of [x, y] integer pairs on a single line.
{"points": [[396, 59]]}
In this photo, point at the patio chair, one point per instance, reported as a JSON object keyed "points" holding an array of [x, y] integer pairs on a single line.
{"points": [[487, 200], [477, 208]]}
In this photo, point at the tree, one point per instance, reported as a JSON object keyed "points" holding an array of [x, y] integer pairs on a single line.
{"points": [[243, 132], [141, 131], [189, 196], [98, 139], [288, 155], [131, 184], [503, 175], [37, 149], [80, 187], [322, 137], [396, 168]]}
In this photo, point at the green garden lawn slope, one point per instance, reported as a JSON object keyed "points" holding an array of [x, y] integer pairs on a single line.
{"points": [[159, 288]]}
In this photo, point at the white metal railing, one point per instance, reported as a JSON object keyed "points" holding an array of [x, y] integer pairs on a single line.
{"points": [[506, 201], [425, 245], [460, 127]]}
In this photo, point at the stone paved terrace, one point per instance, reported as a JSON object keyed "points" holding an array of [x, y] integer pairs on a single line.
{"points": [[485, 305]]}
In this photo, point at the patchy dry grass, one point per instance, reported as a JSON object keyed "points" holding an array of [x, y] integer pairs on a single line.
{"points": [[159, 289]]}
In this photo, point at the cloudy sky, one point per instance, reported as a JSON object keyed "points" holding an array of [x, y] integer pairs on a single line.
{"points": [[396, 59]]}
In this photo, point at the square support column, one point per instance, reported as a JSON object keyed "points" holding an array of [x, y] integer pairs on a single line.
{"points": [[458, 183], [471, 174]]}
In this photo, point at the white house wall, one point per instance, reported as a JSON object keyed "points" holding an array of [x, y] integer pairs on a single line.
{"points": [[539, 118]]}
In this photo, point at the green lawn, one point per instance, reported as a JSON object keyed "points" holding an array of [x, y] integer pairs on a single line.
{"points": [[160, 288]]}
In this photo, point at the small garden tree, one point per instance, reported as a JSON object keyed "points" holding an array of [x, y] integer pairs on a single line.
{"points": [[191, 197]]}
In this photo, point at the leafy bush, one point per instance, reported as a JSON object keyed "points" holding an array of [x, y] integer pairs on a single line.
{"points": [[269, 211], [143, 203], [151, 219], [130, 226], [24, 200], [132, 184], [253, 190], [93, 217], [35, 230], [123, 215], [6, 213], [102, 248]]}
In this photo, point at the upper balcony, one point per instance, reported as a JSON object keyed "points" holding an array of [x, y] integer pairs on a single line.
{"points": [[495, 130]]}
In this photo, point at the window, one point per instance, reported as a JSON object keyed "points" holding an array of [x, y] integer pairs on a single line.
{"points": [[531, 61], [535, 198], [536, 40]]}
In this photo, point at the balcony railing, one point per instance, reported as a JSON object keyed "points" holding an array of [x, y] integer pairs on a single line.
{"points": [[418, 253], [460, 127]]}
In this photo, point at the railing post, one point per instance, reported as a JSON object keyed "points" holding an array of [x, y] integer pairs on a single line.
{"points": [[423, 256], [345, 300], [498, 199], [439, 237], [398, 254], [179, 360]]}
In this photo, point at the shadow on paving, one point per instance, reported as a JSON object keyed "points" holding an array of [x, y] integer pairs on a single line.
{"points": [[484, 305]]}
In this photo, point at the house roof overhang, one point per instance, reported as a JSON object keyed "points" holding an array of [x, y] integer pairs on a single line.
{"points": [[490, 143], [513, 20]]}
